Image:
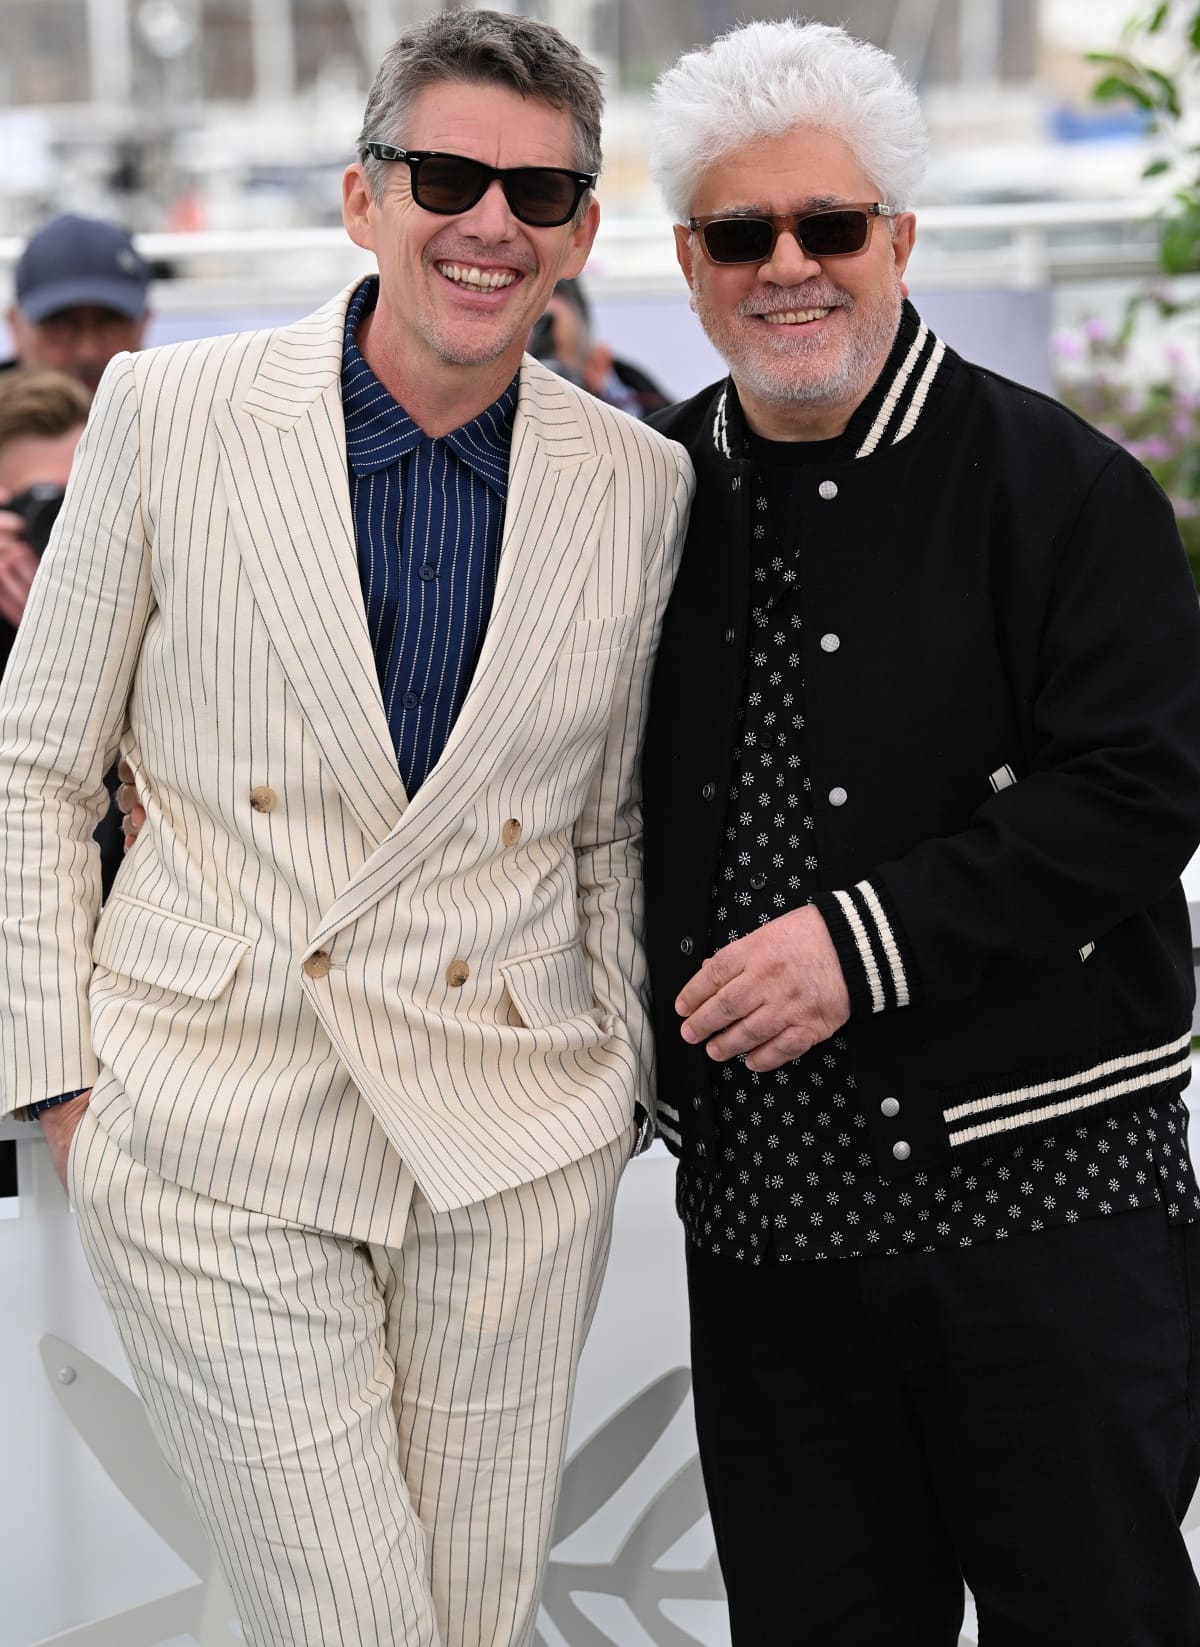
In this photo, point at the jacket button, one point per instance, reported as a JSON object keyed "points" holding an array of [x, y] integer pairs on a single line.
{"points": [[890, 1107], [457, 974], [708, 791], [830, 643], [838, 796], [263, 799], [901, 1150], [510, 831], [730, 636], [686, 946], [319, 964], [828, 490]]}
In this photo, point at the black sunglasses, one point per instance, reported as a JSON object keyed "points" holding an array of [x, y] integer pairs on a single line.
{"points": [[833, 231], [545, 197]]}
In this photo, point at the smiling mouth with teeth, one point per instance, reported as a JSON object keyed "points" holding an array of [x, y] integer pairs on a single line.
{"points": [[794, 317], [481, 280]]}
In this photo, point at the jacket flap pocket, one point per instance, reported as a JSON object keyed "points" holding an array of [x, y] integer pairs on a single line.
{"points": [[549, 987], [169, 951]]}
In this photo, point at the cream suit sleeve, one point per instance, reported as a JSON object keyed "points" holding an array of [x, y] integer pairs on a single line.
{"points": [[608, 836], [62, 710]]}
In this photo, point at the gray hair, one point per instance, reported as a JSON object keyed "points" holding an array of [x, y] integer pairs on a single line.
{"points": [[483, 48], [763, 79]]}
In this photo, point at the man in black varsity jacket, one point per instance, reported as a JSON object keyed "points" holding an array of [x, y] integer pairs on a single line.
{"points": [[923, 769]]}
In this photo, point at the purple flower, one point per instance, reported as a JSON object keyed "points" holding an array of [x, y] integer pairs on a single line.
{"points": [[1067, 346], [1095, 330]]}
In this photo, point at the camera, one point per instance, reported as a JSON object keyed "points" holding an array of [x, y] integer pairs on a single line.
{"points": [[38, 507]]}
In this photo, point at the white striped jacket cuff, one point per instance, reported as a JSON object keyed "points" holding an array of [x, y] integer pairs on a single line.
{"points": [[868, 947]]}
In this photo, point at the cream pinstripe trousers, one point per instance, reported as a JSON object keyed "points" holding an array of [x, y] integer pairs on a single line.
{"points": [[373, 1436]]}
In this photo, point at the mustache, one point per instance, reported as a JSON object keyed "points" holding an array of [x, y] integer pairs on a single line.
{"points": [[458, 249], [780, 299]]}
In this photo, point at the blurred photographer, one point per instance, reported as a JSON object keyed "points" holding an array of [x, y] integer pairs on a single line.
{"points": [[81, 290], [42, 414], [563, 340]]}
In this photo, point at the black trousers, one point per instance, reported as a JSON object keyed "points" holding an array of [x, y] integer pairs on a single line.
{"points": [[1024, 1414]]}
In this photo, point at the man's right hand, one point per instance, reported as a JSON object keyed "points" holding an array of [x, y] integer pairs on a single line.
{"points": [[58, 1127], [133, 813], [18, 563]]}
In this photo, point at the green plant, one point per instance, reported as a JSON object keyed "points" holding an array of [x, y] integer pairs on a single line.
{"points": [[1152, 409]]}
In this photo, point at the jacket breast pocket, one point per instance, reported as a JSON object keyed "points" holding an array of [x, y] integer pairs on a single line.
{"points": [[153, 946]]}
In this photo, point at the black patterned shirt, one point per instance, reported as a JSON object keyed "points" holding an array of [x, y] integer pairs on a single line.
{"points": [[793, 1176]]}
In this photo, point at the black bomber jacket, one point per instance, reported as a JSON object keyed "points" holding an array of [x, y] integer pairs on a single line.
{"points": [[1004, 746]]}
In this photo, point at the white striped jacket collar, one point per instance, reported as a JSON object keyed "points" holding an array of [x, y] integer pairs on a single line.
{"points": [[888, 415]]}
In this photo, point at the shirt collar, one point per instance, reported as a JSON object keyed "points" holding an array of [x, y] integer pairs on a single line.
{"points": [[379, 431]]}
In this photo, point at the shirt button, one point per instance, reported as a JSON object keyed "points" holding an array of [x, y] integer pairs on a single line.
{"points": [[890, 1107], [708, 791], [686, 946], [838, 796], [410, 700], [319, 964], [828, 490], [758, 882], [457, 974], [735, 483], [510, 831], [263, 799], [901, 1150], [830, 643], [700, 1146], [730, 636], [427, 573]]}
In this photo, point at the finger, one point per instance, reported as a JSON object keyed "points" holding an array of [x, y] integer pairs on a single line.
{"points": [[730, 1004], [718, 971], [757, 1029], [784, 1049], [127, 796], [124, 770]]}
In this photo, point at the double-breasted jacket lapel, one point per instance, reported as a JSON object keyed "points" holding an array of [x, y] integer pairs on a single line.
{"points": [[284, 466], [557, 486], [285, 478]]}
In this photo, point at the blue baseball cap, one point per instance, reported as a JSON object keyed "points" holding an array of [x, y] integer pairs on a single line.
{"points": [[73, 260]]}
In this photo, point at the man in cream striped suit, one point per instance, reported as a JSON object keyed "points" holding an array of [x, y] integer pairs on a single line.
{"points": [[348, 1068]]}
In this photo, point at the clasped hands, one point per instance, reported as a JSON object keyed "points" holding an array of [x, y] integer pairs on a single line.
{"points": [[770, 995]]}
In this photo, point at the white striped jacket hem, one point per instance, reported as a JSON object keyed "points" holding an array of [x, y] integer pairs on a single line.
{"points": [[1048, 1100]]}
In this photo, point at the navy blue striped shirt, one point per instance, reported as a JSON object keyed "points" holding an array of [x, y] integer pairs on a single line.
{"points": [[428, 515]]}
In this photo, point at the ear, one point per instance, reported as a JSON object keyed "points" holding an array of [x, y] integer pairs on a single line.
{"points": [[904, 235], [684, 251], [582, 235], [358, 208]]}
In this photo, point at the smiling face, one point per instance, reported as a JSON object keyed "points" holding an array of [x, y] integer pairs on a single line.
{"points": [[804, 340], [459, 295]]}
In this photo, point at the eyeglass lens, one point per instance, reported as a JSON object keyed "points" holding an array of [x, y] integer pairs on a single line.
{"points": [[538, 195], [752, 239]]}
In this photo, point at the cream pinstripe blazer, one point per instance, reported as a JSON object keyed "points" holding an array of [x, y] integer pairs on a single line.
{"points": [[468, 962]]}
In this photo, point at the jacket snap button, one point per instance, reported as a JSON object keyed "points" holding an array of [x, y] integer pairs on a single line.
{"points": [[901, 1151], [890, 1107], [830, 643], [838, 796], [828, 489]]}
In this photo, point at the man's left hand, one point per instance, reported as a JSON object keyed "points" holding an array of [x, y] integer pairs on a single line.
{"points": [[771, 995]]}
